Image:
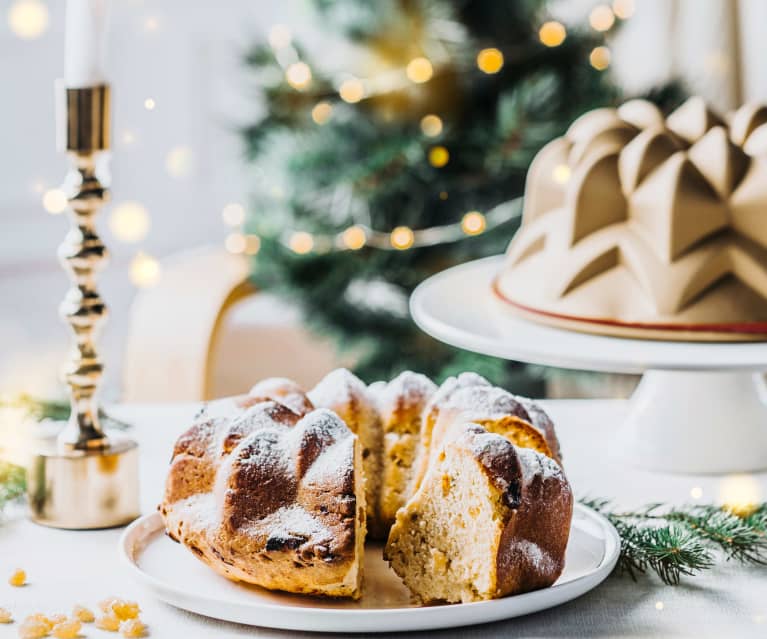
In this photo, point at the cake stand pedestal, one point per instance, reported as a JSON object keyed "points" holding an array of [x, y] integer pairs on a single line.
{"points": [[700, 407]]}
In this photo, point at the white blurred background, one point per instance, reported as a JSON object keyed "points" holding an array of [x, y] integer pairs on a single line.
{"points": [[180, 93]]}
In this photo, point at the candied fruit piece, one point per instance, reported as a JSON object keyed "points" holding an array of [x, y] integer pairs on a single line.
{"points": [[124, 609], [18, 578], [108, 622], [39, 617], [105, 605], [54, 619], [133, 628], [67, 629], [81, 613], [33, 629], [5, 616]]}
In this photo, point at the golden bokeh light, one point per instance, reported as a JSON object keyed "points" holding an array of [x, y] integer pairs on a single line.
{"points": [[151, 24], [144, 270], [179, 162], [54, 201], [252, 244], [235, 243], [28, 19], [431, 125], [298, 75], [351, 90], [473, 223], [696, 492], [552, 33], [439, 156], [150, 104], [600, 58], [354, 237], [490, 60], [601, 17], [301, 242], [659, 605], [129, 222], [419, 70], [624, 9], [233, 214], [279, 36], [561, 174], [128, 137], [740, 494], [321, 112], [402, 238]]}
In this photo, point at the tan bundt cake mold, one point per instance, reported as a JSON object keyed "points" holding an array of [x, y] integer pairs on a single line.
{"points": [[488, 520], [276, 495], [648, 227], [272, 499]]}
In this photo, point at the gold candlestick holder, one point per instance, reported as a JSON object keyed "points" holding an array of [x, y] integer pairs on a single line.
{"points": [[84, 478]]}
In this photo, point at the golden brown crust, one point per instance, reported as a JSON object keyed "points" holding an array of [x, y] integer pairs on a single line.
{"points": [[282, 508]]}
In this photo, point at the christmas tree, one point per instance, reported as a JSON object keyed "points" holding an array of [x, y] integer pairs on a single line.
{"points": [[389, 153]]}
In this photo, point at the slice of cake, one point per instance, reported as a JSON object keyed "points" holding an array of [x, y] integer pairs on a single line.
{"points": [[489, 520]]}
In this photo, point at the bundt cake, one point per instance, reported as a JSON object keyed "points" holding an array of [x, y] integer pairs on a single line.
{"points": [[644, 226], [283, 493], [489, 519], [271, 498]]}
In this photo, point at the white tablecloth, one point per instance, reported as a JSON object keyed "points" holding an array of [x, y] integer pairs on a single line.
{"points": [[65, 567]]}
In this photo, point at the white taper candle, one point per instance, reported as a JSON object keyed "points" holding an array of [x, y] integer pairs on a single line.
{"points": [[85, 42]]}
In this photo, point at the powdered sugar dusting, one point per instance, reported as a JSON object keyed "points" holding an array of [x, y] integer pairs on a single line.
{"points": [[337, 388], [293, 521], [534, 463], [534, 554]]}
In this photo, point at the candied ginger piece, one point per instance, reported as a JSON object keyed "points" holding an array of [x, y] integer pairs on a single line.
{"points": [[5, 616], [67, 629], [133, 628], [18, 578], [124, 609], [108, 622], [83, 614], [33, 629]]}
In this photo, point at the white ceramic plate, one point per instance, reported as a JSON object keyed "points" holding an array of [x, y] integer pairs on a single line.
{"points": [[175, 576]]}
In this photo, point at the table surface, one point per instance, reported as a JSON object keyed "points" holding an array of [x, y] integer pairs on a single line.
{"points": [[67, 567]]}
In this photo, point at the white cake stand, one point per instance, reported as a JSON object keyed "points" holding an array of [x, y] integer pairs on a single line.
{"points": [[700, 407]]}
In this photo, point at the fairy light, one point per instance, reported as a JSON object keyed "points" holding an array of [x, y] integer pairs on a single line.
{"points": [[279, 36], [321, 112], [298, 75], [144, 270], [624, 9], [252, 244], [354, 237], [473, 223], [150, 104], [128, 137], [696, 492], [151, 24], [443, 195], [28, 19], [129, 222], [561, 174], [54, 201], [235, 243], [552, 33], [659, 605], [439, 156], [601, 18], [600, 58], [740, 494], [233, 214], [490, 60], [431, 125], [419, 70], [351, 90], [301, 242], [179, 161], [402, 238]]}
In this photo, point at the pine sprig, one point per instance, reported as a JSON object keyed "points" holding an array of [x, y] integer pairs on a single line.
{"points": [[12, 483], [54, 409], [673, 542]]}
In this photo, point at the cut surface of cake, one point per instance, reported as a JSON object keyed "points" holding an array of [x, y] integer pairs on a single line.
{"points": [[347, 395], [489, 520], [400, 403], [271, 498], [643, 226]]}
